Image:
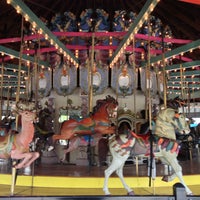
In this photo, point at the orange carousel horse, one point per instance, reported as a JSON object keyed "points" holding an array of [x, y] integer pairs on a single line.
{"points": [[16, 145], [99, 122]]}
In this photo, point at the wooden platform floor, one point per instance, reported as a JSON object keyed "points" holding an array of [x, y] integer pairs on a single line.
{"points": [[88, 176]]}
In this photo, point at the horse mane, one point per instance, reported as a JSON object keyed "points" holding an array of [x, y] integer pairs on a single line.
{"points": [[100, 102], [174, 103]]}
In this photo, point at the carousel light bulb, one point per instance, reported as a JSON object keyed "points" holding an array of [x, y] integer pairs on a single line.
{"points": [[61, 51], [26, 17], [40, 31], [34, 25], [151, 8], [8, 1], [18, 10], [46, 37]]}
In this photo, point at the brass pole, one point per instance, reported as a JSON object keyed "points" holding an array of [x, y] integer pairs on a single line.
{"points": [[182, 84], [1, 89], [8, 99], [181, 76], [36, 72], [135, 82], [148, 69], [90, 78], [28, 83], [164, 73], [14, 175]]}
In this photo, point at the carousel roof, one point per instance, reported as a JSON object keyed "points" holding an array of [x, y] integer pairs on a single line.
{"points": [[173, 35]]}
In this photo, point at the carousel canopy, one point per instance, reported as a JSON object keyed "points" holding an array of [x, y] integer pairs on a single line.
{"points": [[159, 34]]}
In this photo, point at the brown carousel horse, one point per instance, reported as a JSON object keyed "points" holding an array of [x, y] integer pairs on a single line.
{"points": [[16, 145], [99, 122], [165, 147]]}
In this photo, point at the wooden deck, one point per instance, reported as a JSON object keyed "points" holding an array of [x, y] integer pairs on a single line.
{"points": [[67, 179]]}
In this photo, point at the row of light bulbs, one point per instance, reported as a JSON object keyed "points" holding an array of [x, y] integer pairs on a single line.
{"points": [[40, 31], [132, 35]]}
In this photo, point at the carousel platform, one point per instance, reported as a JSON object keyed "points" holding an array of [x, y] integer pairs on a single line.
{"points": [[69, 181]]}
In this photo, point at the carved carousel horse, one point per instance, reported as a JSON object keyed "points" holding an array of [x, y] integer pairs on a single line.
{"points": [[166, 149], [99, 122], [16, 145]]}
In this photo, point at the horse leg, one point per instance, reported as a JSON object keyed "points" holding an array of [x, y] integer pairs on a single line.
{"points": [[73, 145], [107, 173], [34, 156], [119, 172], [178, 172], [27, 159]]}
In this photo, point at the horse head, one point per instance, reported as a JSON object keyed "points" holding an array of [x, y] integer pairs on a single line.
{"points": [[112, 106], [26, 109], [175, 103], [106, 108], [182, 127]]}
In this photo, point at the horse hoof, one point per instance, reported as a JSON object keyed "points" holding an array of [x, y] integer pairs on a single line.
{"points": [[61, 162], [50, 148], [64, 162], [165, 178], [131, 193]]}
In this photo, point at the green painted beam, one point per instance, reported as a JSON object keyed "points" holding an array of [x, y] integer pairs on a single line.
{"points": [[11, 79], [27, 13], [193, 93], [13, 86], [12, 82], [24, 57], [14, 89], [15, 67], [11, 73], [177, 51], [147, 8], [184, 65], [173, 79], [195, 86], [186, 73]]}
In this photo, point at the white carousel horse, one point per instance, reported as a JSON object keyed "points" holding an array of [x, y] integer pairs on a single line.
{"points": [[164, 148]]}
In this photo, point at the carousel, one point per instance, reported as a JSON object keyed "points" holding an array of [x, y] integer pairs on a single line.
{"points": [[86, 96]]}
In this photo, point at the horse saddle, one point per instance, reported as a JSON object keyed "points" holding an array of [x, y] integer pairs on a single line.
{"points": [[6, 142]]}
